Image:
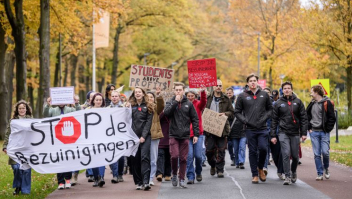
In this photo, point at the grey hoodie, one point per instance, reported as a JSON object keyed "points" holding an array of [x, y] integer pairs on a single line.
{"points": [[317, 115]]}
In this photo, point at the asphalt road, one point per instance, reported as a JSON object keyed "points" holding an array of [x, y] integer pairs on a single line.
{"points": [[236, 184]]}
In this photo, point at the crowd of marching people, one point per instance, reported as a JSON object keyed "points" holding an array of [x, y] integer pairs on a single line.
{"points": [[174, 146]]}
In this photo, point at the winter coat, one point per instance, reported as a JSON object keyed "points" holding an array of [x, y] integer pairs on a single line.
{"points": [[156, 127], [7, 137], [181, 115], [290, 115], [254, 110], [141, 120], [328, 119], [225, 106], [199, 105]]}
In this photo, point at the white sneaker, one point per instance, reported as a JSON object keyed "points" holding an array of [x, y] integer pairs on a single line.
{"points": [[61, 186], [326, 173], [67, 184], [139, 187], [319, 178], [151, 183]]}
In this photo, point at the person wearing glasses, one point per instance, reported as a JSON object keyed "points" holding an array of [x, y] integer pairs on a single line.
{"points": [[253, 108], [215, 146]]}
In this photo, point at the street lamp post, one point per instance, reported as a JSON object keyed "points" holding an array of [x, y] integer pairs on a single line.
{"points": [[258, 54], [173, 64], [145, 58], [282, 76]]}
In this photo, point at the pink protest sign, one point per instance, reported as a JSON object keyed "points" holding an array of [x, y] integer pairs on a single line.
{"points": [[202, 73]]}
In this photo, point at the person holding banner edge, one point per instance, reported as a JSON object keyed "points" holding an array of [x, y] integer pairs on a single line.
{"points": [[181, 114], [215, 146], [142, 118], [98, 172], [64, 179], [22, 178]]}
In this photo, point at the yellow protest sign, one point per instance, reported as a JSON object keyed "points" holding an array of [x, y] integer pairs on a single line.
{"points": [[325, 83]]}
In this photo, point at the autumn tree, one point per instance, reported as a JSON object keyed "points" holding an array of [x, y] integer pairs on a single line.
{"points": [[328, 28]]}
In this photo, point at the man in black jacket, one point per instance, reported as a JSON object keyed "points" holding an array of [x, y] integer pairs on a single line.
{"points": [[256, 107], [321, 121], [181, 112], [290, 113]]}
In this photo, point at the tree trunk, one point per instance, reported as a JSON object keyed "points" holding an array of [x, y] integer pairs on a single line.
{"points": [[270, 78], [115, 60], [66, 72], [44, 55], [81, 81], [74, 61], [10, 66], [57, 70], [18, 33], [4, 92]]}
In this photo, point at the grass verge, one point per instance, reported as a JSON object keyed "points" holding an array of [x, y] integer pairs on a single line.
{"points": [[42, 184], [339, 152]]}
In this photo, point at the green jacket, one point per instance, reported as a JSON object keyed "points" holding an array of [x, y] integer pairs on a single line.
{"points": [[7, 136], [52, 112]]}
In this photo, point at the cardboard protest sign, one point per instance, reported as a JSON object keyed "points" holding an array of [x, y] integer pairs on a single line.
{"points": [[74, 141], [150, 77], [202, 73], [62, 95], [213, 123]]}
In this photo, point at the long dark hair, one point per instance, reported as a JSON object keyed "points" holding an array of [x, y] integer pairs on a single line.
{"points": [[133, 100], [107, 89], [28, 109], [102, 98]]}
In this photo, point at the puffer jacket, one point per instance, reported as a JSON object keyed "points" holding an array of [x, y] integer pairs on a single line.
{"points": [[225, 106], [7, 137], [181, 115], [290, 116], [199, 105], [156, 127]]}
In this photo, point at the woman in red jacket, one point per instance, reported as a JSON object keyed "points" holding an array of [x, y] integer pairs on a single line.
{"points": [[195, 150]]}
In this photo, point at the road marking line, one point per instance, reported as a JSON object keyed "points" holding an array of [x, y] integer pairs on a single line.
{"points": [[236, 183]]}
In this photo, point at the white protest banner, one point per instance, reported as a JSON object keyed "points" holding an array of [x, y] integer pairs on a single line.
{"points": [[62, 95], [78, 140], [150, 77], [213, 123]]}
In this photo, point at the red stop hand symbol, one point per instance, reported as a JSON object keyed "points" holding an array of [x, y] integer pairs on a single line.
{"points": [[68, 130]]}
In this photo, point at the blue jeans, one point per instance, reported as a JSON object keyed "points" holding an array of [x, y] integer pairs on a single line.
{"points": [[21, 179], [89, 172], [117, 167], [321, 146], [98, 171], [154, 146], [239, 149], [204, 157], [194, 152]]}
